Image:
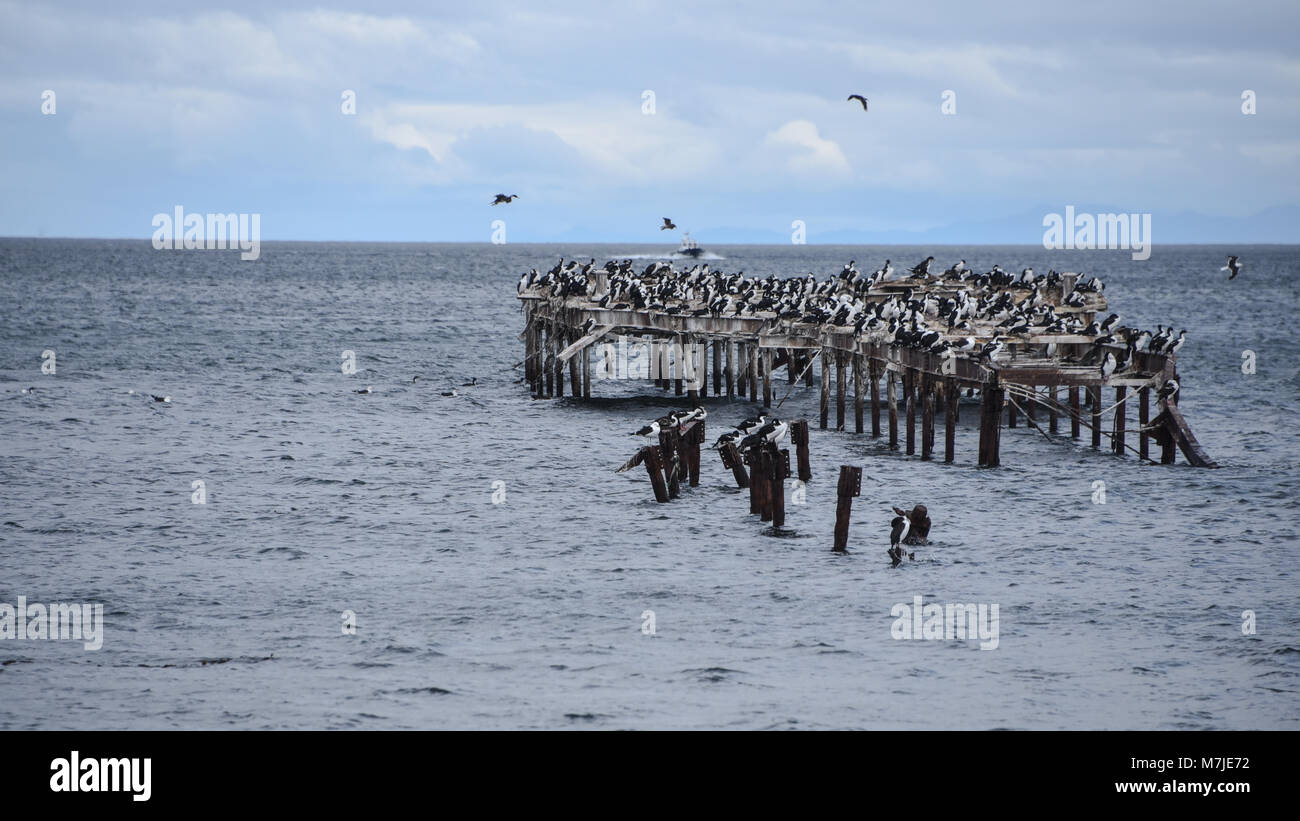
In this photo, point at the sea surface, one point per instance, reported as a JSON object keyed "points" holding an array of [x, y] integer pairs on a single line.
{"points": [[529, 612]]}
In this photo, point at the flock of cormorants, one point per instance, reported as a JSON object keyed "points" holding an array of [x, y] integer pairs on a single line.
{"points": [[1014, 305]]}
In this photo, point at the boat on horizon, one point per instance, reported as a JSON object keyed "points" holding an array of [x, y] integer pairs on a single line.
{"points": [[689, 247]]}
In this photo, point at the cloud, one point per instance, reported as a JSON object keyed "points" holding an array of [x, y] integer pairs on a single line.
{"points": [[819, 155]]}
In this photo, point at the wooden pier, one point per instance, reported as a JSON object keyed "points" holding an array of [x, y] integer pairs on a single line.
{"points": [[744, 352]]}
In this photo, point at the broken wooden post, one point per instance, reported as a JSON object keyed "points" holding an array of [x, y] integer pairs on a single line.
{"points": [[654, 466], [799, 438], [731, 459], [850, 485], [778, 461], [826, 390]]}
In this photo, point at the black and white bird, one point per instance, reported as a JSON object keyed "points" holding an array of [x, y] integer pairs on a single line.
{"points": [[1233, 266], [366, 389], [1172, 347], [649, 430], [158, 398], [860, 99], [898, 532], [1108, 365], [505, 198], [451, 392], [923, 268], [668, 225], [992, 349], [1167, 390]]}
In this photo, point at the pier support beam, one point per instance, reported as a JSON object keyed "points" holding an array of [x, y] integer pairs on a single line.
{"points": [[950, 399], [655, 467], [891, 398], [767, 377], [840, 386], [1144, 417], [909, 388], [1051, 409], [991, 423], [1075, 411], [752, 357], [717, 370], [927, 417], [826, 389], [857, 392], [1117, 441], [732, 460], [799, 437], [1094, 396], [874, 377]]}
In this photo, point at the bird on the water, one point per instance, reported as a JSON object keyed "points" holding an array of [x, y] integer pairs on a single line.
{"points": [[860, 99], [1233, 266], [505, 198], [898, 532], [366, 389], [157, 398]]}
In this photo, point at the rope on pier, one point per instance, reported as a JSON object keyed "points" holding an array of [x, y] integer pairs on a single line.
{"points": [[1026, 394]]}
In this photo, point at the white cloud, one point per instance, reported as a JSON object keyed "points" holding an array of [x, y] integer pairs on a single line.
{"points": [[819, 155]]}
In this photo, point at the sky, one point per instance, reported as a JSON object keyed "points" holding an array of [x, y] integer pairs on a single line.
{"points": [[1107, 106]]}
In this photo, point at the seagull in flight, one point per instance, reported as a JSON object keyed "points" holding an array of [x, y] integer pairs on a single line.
{"points": [[504, 198], [1233, 266], [668, 225], [860, 99]]}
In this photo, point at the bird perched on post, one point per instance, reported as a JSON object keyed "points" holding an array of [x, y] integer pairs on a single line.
{"points": [[1167, 391], [1233, 266], [860, 99], [503, 198]]}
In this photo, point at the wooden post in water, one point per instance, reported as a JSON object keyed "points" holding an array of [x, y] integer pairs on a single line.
{"points": [[762, 462], [891, 398], [950, 399], [732, 460], [909, 387], [874, 378], [777, 459], [1051, 408], [752, 356], [1075, 412], [857, 392], [1094, 395], [701, 352], [1117, 441], [1030, 401], [767, 377], [670, 444], [791, 365], [927, 417], [991, 422], [1144, 414], [717, 369], [586, 372], [730, 348], [547, 370], [575, 378], [825, 408], [850, 485], [655, 467], [1011, 415], [694, 437], [799, 437], [841, 384]]}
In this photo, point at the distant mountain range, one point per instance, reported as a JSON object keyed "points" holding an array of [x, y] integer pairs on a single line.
{"points": [[1280, 225]]}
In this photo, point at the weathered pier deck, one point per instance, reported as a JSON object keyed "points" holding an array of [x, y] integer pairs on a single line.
{"points": [[1043, 378]]}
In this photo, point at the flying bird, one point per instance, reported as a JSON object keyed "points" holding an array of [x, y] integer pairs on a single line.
{"points": [[668, 225], [503, 198], [1233, 266], [860, 99]]}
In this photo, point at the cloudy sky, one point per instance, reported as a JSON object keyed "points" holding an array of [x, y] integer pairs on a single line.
{"points": [[1123, 106]]}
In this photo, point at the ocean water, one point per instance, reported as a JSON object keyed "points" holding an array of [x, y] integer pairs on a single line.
{"points": [[529, 613]]}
